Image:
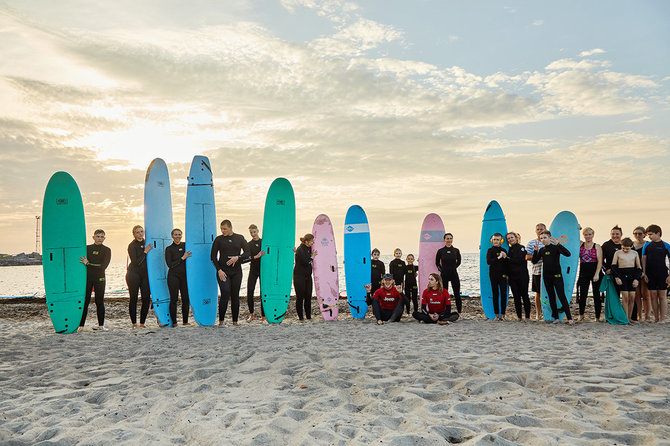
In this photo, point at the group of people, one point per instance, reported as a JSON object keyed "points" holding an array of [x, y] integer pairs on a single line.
{"points": [[637, 268]]}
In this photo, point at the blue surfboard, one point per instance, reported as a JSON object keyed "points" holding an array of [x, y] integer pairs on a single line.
{"points": [[203, 290], [565, 228], [357, 270], [158, 225], [494, 221]]}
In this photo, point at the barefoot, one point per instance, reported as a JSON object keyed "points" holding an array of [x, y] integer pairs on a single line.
{"points": [[134, 325], [186, 323], [380, 322], [443, 322], [251, 317], [556, 321], [142, 326], [571, 322], [580, 318], [235, 324], [265, 321], [221, 323]]}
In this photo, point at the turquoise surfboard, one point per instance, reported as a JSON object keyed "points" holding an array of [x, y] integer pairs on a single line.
{"points": [[203, 290], [357, 269], [63, 243], [278, 244], [157, 227], [565, 228], [494, 221]]}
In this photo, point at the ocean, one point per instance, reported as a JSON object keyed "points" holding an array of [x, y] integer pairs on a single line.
{"points": [[27, 280]]}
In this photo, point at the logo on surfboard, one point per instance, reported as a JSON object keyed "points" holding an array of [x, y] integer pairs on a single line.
{"points": [[349, 228]]}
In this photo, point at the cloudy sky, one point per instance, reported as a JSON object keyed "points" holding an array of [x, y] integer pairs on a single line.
{"points": [[402, 107]]}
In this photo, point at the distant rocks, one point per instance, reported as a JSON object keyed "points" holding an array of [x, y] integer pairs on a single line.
{"points": [[22, 259]]}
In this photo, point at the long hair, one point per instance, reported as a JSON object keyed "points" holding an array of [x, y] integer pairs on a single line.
{"points": [[438, 279]]}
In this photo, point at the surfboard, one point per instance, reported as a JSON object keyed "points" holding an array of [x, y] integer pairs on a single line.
{"points": [[494, 221], [430, 241], [63, 243], [278, 244], [200, 231], [324, 266], [157, 227], [565, 228], [357, 270]]}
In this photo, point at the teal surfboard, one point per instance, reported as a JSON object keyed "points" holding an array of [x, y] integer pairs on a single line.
{"points": [[494, 221], [278, 244], [63, 243], [357, 269], [203, 291], [565, 228], [157, 227]]}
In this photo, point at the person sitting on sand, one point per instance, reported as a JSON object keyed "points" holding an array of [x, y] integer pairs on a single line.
{"points": [[626, 269], [552, 275], [387, 302], [435, 303]]}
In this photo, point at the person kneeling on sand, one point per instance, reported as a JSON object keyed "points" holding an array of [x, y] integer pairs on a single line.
{"points": [[388, 301], [435, 303]]}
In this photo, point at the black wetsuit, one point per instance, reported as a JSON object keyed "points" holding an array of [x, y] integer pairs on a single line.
{"points": [[378, 269], [223, 248], [518, 279], [254, 274], [302, 281], [98, 257], [397, 269], [553, 276], [498, 277], [609, 248], [176, 280], [447, 260], [655, 268], [411, 288], [137, 279]]}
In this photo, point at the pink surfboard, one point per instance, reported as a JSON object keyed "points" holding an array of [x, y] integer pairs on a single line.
{"points": [[324, 265], [432, 239]]}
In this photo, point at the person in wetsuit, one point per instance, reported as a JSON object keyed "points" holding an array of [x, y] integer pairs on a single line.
{"points": [[655, 270], [552, 275], [229, 251], [411, 288], [536, 276], [175, 258], [256, 253], [302, 277], [388, 301], [518, 275], [626, 270], [377, 269], [590, 264], [435, 303], [642, 298], [137, 277], [610, 247], [97, 260], [397, 267], [496, 258], [447, 260]]}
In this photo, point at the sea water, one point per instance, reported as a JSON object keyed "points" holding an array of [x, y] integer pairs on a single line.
{"points": [[28, 280]]}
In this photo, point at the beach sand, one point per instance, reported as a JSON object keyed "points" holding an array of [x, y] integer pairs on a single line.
{"points": [[344, 382]]}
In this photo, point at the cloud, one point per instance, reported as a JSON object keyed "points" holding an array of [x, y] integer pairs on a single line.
{"points": [[592, 52], [538, 22], [357, 38], [338, 11]]}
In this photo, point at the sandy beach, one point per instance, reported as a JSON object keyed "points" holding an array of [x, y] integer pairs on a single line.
{"points": [[344, 382]]}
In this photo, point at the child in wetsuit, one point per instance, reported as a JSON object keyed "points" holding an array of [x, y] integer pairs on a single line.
{"points": [[496, 258], [552, 275], [97, 260], [655, 270], [377, 271], [626, 270], [411, 289], [397, 267]]}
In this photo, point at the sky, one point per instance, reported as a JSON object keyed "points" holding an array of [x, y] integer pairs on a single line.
{"points": [[404, 108]]}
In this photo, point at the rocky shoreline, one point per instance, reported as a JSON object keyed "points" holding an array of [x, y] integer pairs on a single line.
{"points": [[22, 259]]}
